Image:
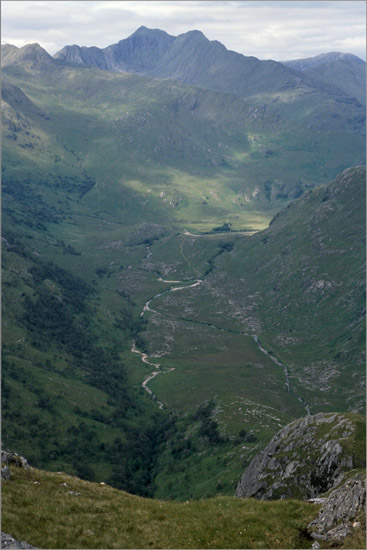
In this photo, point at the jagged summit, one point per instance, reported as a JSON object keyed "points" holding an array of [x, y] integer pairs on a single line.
{"points": [[34, 49], [8, 47], [195, 33], [194, 59], [190, 57]]}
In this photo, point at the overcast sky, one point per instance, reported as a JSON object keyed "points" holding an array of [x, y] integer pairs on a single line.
{"points": [[267, 29]]}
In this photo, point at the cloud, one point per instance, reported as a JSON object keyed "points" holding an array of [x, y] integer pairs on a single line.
{"points": [[265, 29]]}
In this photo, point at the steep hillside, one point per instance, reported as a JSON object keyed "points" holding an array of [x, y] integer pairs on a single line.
{"points": [[297, 288], [310, 264]]}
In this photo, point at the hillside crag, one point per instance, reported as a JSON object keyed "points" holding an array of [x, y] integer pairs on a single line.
{"points": [[305, 459], [339, 514]]}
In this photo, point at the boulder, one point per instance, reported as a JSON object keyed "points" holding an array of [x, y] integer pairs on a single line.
{"points": [[8, 457], [337, 516], [305, 459]]}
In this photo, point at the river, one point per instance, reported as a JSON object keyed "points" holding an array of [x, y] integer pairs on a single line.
{"points": [[157, 367]]}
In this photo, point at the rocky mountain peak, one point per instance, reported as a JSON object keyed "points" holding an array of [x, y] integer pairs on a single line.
{"points": [[30, 53], [145, 31], [36, 51], [196, 34]]}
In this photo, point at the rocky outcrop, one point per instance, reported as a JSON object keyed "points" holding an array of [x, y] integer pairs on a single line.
{"points": [[8, 457], [305, 459], [337, 516]]}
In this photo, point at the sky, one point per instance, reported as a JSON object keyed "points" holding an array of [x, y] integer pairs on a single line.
{"points": [[266, 29]]}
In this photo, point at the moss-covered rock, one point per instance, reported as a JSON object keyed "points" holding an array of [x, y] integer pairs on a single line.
{"points": [[337, 517], [305, 459]]}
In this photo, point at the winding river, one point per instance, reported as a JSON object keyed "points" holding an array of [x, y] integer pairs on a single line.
{"points": [[157, 367], [145, 356]]}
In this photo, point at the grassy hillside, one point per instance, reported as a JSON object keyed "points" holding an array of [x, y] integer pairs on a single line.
{"points": [[196, 156], [311, 308], [298, 287], [71, 513]]}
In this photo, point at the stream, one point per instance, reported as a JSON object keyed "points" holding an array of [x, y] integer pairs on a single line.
{"points": [[145, 356], [157, 366], [286, 374]]}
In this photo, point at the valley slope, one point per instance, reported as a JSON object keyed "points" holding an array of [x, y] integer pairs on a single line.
{"points": [[118, 189]]}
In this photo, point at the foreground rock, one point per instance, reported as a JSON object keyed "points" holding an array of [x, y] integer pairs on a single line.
{"points": [[305, 459], [8, 541], [337, 517]]}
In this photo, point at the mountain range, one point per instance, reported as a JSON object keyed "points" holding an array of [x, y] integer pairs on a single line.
{"points": [[193, 59], [183, 252]]}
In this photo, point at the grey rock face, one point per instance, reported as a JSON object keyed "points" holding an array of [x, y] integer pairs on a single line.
{"points": [[8, 457], [335, 519], [8, 541], [303, 460]]}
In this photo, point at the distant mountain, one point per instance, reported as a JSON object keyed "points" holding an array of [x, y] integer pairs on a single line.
{"points": [[30, 53], [193, 59], [321, 100], [264, 152], [343, 71], [331, 57], [190, 58], [139, 53]]}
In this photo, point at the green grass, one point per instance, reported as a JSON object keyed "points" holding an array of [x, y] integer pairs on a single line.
{"points": [[37, 507]]}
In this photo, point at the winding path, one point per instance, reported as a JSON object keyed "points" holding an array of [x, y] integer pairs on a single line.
{"points": [[157, 369], [145, 356]]}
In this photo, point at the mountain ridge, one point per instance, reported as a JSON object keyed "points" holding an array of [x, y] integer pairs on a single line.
{"points": [[173, 59], [192, 58]]}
